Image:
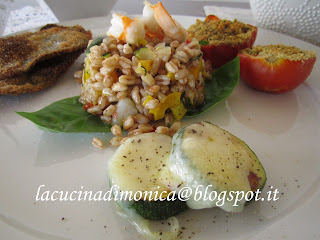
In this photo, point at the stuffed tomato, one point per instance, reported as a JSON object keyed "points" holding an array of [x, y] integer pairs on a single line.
{"points": [[221, 40], [275, 68]]}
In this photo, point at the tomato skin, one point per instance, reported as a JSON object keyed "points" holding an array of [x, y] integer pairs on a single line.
{"points": [[87, 106], [223, 53], [280, 76], [211, 17]]}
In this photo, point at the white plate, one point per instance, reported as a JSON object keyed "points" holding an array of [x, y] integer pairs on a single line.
{"points": [[283, 130]]}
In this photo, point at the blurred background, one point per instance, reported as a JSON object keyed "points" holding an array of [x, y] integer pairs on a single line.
{"points": [[297, 18]]}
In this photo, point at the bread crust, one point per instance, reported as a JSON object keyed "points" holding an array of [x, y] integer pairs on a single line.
{"points": [[43, 75], [30, 62]]}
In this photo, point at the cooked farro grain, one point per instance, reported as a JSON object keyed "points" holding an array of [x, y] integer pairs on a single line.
{"points": [[107, 82], [135, 95], [135, 126], [97, 86], [148, 79], [128, 123], [155, 66], [174, 44], [152, 104], [109, 110], [155, 89], [122, 95], [134, 132], [119, 87], [78, 74], [94, 110], [123, 140], [113, 99], [168, 119], [115, 141], [115, 71], [163, 130], [116, 130], [102, 102], [125, 62], [181, 56], [127, 79], [127, 49], [171, 67], [98, 76], [160, 95], [97, 143], [106, 119], [145, 127], [175, 126], [139, 118], [140, 108]]}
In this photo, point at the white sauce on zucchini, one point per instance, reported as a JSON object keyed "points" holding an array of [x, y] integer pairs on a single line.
{"points": [[140, 164], [204, 154]]}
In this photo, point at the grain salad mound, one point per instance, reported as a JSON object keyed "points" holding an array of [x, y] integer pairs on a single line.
{"points": [[132, 80]]}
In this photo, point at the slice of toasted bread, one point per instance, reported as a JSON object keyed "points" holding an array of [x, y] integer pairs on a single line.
{"points": [[18, 54], [42, 76]]}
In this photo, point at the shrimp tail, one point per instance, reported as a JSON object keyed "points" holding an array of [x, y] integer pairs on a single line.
{"points": [[170, 27]]}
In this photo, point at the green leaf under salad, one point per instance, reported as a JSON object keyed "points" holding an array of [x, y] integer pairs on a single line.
{"points": [[68, 115], [203, 43], [221, 84]]}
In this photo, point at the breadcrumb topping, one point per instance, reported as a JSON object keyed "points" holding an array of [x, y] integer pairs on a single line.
{"points": [[221, 32], [273, 53]]}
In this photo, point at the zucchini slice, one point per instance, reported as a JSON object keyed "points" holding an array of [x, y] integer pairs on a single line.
{"points": [[204, 154], [145, 54], [159, 210], [141, 164], [106, 55]]}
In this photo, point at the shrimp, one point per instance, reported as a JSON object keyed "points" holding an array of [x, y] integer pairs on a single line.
{"points": [[170, 27], [156, 22], [152, 26], [129, 30]]}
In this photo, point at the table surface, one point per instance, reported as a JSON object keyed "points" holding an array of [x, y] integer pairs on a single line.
{"points": [[73, 9], [22, 15], [66, 10], [178, 7]]}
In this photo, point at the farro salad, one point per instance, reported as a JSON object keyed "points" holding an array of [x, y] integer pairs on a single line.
{"points": [[133, 80], [142, 77]]}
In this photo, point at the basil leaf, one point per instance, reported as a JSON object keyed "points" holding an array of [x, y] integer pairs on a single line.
{"points": [[203, 43], [97, 41], [67, 116], [219, 86]]}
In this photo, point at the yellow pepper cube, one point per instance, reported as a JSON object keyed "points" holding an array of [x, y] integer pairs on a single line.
{"points": [[144, 66], [178, 111], [196, 70], [173, 102], [171, 76]]}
